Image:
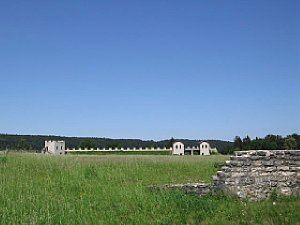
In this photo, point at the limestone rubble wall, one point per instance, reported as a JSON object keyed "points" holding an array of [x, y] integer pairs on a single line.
{"points": [[255, 174]]}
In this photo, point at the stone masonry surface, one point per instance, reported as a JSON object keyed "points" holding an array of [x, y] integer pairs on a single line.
{"points": [[256, 174]]}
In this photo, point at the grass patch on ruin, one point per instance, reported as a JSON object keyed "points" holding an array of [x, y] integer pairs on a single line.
{"points": [[110, 189]]}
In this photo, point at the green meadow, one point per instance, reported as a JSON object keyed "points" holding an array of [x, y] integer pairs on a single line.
{"points": [[111, 189]]}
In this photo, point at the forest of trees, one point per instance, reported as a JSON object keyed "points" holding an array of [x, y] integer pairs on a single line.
{"points": [[36, 142], [269, 142]]}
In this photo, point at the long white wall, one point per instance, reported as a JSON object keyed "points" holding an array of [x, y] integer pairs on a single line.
{"points": [[178, 148], [117, 149]]}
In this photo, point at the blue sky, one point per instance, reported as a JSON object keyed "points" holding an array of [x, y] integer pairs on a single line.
{"points": [[150, 69]]}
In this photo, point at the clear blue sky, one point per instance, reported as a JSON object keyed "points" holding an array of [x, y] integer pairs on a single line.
{"points": [[150, 69]]}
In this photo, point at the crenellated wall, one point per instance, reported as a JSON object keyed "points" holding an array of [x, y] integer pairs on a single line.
{"points": [[256, 174], [177, 148], [116, 149]]}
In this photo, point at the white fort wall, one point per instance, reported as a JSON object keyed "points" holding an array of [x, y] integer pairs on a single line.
{"points": [[178, 148], [116, 149]]}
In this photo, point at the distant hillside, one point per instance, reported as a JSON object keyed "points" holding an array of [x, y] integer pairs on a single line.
{"points": [[36, 142]]}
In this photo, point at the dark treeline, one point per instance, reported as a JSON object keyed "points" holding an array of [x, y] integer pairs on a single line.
{"points": [[36, 142], [270, 142]]}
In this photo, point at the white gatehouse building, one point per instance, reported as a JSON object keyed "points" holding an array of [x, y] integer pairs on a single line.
{"points": [[203, 148]]}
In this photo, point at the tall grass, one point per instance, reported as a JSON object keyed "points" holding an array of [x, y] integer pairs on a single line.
{"points": [[39, 189]]}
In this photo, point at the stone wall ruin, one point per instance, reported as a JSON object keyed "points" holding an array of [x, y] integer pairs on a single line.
{"points": [[256, 174], [253, 174]]}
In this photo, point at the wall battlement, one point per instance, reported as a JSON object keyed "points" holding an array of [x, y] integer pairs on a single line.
{"points": [[116, 149], [177, 148]]}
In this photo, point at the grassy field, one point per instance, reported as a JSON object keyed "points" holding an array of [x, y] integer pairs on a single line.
{"points": [[40, 189]]}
